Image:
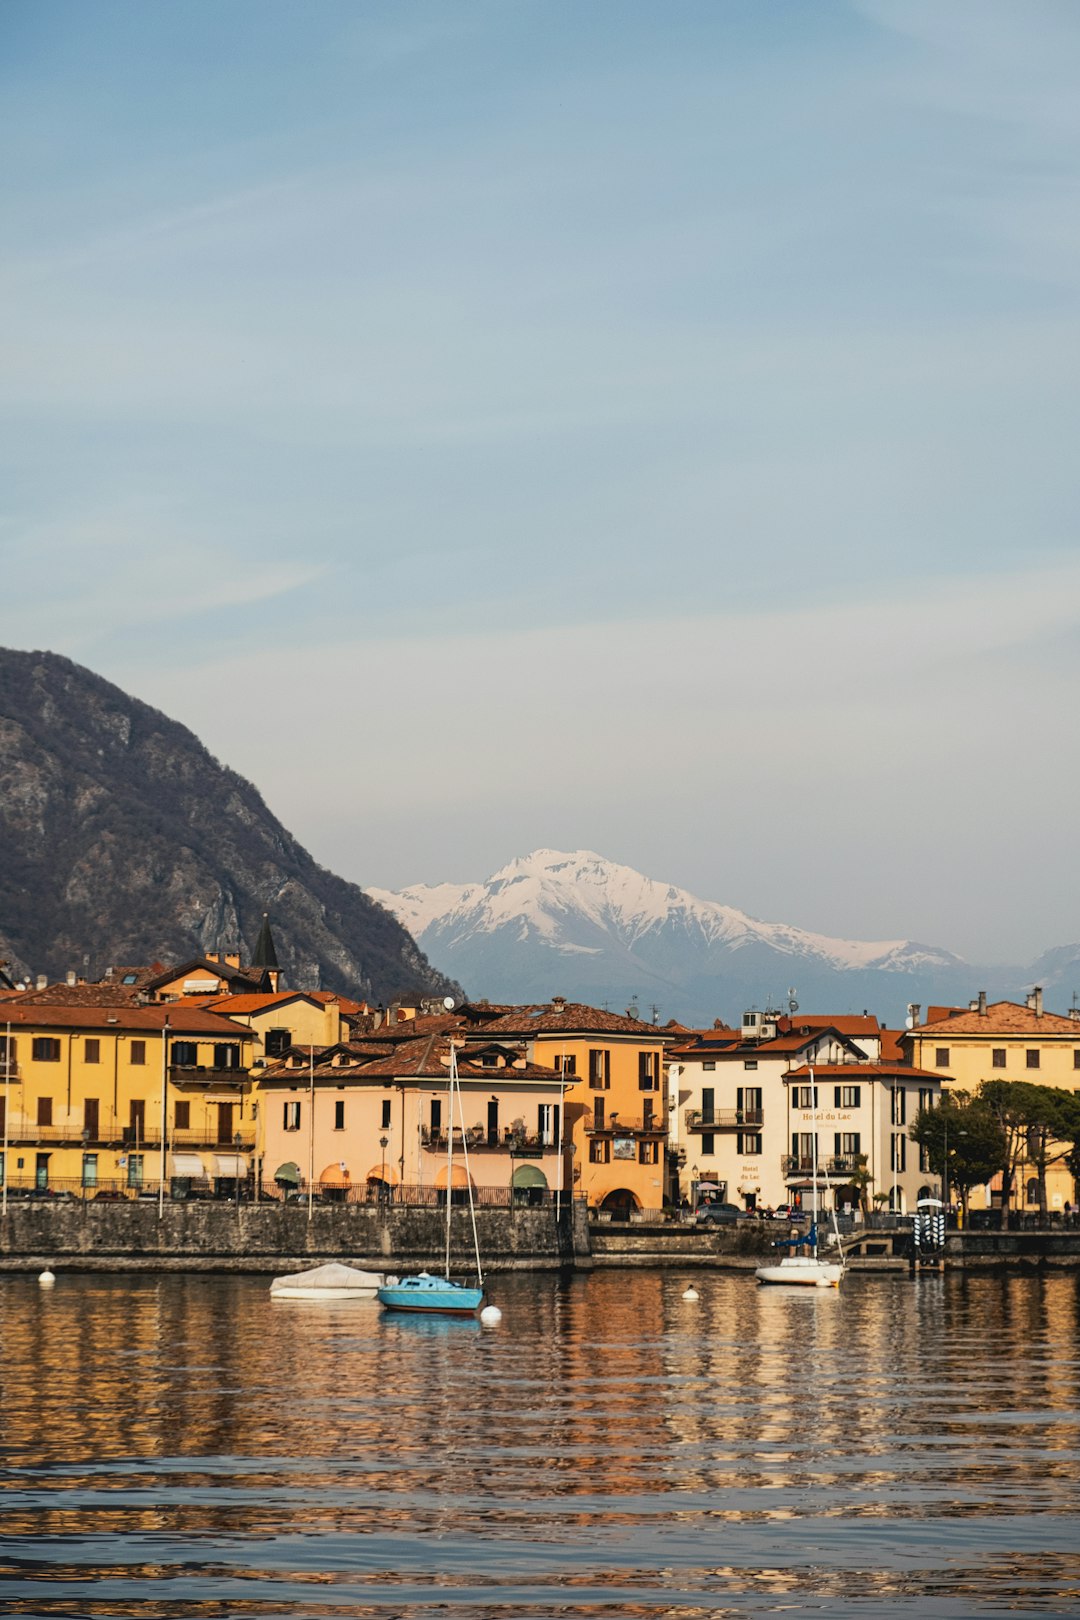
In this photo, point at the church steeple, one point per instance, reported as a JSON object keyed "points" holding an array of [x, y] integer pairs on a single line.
{"points": [[265, 956]]}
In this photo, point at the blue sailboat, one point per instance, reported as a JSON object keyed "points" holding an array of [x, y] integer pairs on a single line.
{"points": [[425, 1292]]}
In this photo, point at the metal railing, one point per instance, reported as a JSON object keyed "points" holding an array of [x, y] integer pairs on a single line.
{"points": [[477, 1137], [223, 1189], [724, 1119], [616, 1125]]}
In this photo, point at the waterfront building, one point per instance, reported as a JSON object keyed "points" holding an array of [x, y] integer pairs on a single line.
{"points": [[286, 1018], [749, 1121], [1002, 1040], [616, 1120], [82, 1088], [370, 1118]]}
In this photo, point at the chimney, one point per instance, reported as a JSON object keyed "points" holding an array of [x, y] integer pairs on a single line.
{"points": [[71, 977], [982, 1003], [914, 1012], [1034, 1000], [332, 1021], [558, 1004], [41, 981], [232, 959]]}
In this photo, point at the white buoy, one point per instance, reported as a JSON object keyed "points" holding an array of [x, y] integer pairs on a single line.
{"points": [[47, 1278], [491, 1313], [691, 1294]]}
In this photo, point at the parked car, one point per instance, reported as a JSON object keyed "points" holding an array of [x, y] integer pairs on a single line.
{"points": [[718, 1214], [111, 1195]]}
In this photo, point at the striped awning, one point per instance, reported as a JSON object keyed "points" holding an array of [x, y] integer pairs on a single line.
{"points": [[230, 1164]]}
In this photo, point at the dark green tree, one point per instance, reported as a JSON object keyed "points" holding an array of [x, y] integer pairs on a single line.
{"points": [[969, 1133]]}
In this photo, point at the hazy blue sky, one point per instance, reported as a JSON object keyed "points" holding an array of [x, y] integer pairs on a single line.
{"points": [[642, 427]]}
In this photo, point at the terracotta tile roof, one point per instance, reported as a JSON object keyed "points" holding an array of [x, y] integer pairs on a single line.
{"points": [[570, 1018], [250, 977], [891, 1050], [424, 1059], [244, 1005], [363, 1027], [855, 1071], [141, 973], [1004, 1018], [85, 995], [182, 1019], [845, 1023], [736, 1047], [934, 1015]]}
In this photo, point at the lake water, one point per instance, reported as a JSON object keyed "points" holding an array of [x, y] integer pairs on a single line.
{"points": [[185, 1446]]}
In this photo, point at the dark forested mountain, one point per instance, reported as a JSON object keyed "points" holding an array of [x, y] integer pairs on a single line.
{"points": [[122, 840]]}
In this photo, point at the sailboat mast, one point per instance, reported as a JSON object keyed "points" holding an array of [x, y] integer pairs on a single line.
{"points": [[450, 1152], [813, 1158]]}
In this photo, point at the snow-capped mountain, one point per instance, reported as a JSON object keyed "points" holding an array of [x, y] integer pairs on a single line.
{"points": [[578, 925]]}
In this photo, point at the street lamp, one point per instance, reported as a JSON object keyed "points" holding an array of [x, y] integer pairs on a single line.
{"points": [[383, 1144], [237, 1139], [85, 1142]]}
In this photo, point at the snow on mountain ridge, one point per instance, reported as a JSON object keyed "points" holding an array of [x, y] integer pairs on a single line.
{"points": [[551, 894]]}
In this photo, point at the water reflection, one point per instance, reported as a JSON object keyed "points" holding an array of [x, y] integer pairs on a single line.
{"points": [[185, 1446]]}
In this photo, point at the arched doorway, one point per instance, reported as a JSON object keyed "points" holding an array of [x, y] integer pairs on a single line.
{"points": [[620, 1203], [529, 1185]]}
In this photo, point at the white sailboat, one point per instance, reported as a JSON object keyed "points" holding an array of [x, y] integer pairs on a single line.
{"points": [[807, 1269]]}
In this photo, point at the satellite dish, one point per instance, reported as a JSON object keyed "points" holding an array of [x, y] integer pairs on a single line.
{"points": [[448, 1003]]}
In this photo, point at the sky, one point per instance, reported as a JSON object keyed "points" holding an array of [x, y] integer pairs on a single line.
{"points": [[500, 424]]}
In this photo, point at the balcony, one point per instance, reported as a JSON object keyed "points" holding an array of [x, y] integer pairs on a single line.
{"points": [[620, 1125], [23, 1133], [478, 1140], [724, 1119], [832, 1164], [187, 1076]]}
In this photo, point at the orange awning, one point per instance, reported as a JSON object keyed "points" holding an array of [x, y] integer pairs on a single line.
{"points": [[383, 1172], [460, 1179], [335, 1175]]}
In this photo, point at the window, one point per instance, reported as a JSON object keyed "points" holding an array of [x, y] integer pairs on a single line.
{"points": [[1076, 1058], [226, 1057], [647, 1114], [565, 1064], [7, 1049], [748, 1142], [708, 1145], [44, 1049], [648, 1064], [846, 1143], [926, 1098], [1032, 1057], [806, 1096], [599, 1122], [138, 1052], [924, 1160], [185, 1054], [847, 1096], [134, 1169], [137, 1119], [90, 1119], [599, 1151], [941, 1057], [92, 1049], [708, 1105], [600, 1069], [750, 1063], [708, 1065], [89, 1169], [44, 1110], [898, 1151], [339, 1114], [748, 1109], [436, 1116], [802, 1149], [547, 1123], [292, 1116], [278, 1042], [182, 1116], [384, 1120], [997, 1057], [648, 1152], [899, 1106]]}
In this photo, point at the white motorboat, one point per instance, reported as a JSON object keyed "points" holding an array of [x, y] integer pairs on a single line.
{"points": [[333, 1281]]}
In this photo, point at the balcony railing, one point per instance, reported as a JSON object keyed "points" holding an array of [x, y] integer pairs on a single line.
{"points": [[24, 1133], [480, 1140], [724, 1119], [188, 1076], [618, 1125], [828, 1164]]}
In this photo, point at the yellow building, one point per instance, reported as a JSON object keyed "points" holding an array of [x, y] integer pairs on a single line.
{"points": [[1003, 1040], [82, 1089], [288, 1018], [615, 1115]]}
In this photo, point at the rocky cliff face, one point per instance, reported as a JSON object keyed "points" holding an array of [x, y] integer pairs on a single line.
{"points": [[122, 840]]}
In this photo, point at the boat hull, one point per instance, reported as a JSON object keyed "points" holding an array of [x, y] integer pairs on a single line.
{"points": [[799, 1271], [430, 1296]]}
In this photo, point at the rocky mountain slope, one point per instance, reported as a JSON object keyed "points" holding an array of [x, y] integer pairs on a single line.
{"points": [[588, 928], [122, 840]]}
